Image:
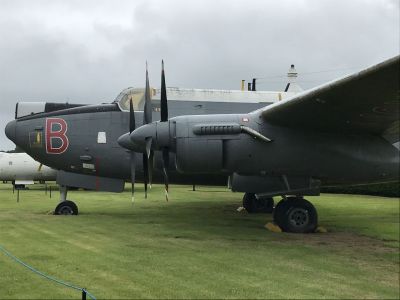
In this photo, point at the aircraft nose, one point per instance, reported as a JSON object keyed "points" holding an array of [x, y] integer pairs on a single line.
{"points": [[10, 130]]}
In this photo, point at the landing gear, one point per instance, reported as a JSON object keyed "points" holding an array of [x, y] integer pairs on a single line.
{"points": [[295, 214], [255, 204], [65, 207]]}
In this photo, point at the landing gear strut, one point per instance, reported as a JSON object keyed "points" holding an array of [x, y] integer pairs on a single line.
{"points": [[65, 207], [295, 214], [254, 204]]}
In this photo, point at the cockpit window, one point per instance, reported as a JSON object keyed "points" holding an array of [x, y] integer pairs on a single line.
{"points": [[137, 96]]}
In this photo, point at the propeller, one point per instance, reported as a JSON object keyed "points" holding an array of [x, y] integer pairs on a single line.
{"points": [[132, 126], [141, 139], [148, 156], [164, 118], [164, 102]]}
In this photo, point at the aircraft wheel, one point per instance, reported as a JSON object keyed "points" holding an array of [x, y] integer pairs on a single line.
{"points": [[296, 215], [279, 211], [254, 205], [265, 205], [66, 208]]}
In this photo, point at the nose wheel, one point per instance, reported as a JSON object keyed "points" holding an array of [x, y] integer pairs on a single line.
{"points": [[66, 208], [296, 214]]}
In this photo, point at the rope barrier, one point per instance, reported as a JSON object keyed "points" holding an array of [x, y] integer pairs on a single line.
{"points": [[83, 290]]}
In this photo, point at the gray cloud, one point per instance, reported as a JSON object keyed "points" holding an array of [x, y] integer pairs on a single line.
{"points": [[87, 51]]}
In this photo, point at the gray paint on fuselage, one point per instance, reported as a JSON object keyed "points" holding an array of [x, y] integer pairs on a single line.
{"points": [[109, 159]]}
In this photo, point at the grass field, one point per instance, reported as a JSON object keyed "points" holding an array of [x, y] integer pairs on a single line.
{"points": [[196, 246]]}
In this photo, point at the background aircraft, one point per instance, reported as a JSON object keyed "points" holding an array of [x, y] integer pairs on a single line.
{"points": [[343, 132], [21, 169], [81, 141]]}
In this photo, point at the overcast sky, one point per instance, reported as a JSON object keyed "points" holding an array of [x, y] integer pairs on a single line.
{"points": [[87, 51]]}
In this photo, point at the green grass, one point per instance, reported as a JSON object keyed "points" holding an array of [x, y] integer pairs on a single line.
{"points": [[196, 246]]}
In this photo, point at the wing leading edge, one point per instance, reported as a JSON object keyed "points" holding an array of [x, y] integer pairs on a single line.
{"points": [[367, 102]]}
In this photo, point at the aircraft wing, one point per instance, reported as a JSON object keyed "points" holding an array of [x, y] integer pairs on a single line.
{"points": [[367, 102]]}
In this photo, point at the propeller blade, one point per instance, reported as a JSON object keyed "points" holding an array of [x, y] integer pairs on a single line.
{"points": [[133, 173], [148, 146], [165, 156], [163, 99], [145, 174], [132, 124], [147, 118], [164, 118], [150, 165], [149, 160]]}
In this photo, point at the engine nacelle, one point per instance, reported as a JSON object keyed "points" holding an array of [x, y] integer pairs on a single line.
{"points": [[199, 155], [201, 145]]}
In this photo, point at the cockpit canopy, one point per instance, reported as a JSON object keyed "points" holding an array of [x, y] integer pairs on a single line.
{"points": [[137, 96]]}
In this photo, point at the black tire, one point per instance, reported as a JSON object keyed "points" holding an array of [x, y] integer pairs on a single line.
{"points": [[266, 205], [280, 209], [248, 202], [66, 208], [254, 205], [296, 215]]}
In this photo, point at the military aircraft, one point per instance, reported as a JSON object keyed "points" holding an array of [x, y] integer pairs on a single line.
{"points": [[343, 132], [81, 140], [21, 169], [338, 133]]}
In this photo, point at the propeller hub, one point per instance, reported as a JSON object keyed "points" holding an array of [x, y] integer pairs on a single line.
{"points": [[140, 136], [125, 141], [157, 132]]}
